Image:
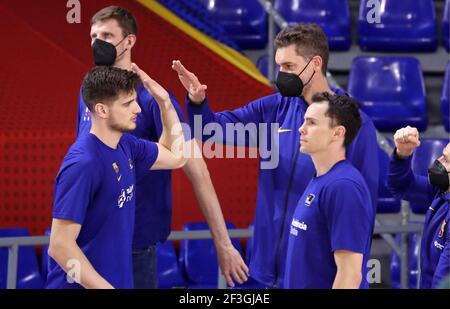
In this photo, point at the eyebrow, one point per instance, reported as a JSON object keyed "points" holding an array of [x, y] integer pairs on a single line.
{"points": [[287, 63], [310, 118], [129, 101], [101, 32]]}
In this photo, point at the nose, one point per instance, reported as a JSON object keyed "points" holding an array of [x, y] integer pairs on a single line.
{"points": [[301, 130], [137, 109]]}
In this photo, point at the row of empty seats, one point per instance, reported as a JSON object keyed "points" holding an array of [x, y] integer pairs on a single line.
{"points": [[195, 268], [383, 25], [391, 90]]}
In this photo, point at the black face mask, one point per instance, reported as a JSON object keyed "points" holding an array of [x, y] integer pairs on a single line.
{"points": [[438, 176], [105, 53], [291, 85]]}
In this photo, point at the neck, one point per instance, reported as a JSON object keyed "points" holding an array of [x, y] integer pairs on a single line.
{"points": [[318, 84], [124, 61], [104, 133], [325, 160]]}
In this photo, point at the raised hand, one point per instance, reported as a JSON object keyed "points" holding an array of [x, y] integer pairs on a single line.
{"points": [[406, 140], [157, 91], [196, 91]]}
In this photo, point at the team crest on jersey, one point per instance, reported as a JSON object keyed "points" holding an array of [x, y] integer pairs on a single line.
{"points": [[116, 169], [442, 230], [309, 199]]}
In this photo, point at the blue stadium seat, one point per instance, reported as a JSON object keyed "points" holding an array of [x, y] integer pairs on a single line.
{"points": [[28, 275], [429, 150], [198, 258], [445, 106], [44, 264], [387, 203], [446, 25], [169, 275], [245, 22], [194, 13], [391, 90], [332, 15], [413, 258], [407, 25]]}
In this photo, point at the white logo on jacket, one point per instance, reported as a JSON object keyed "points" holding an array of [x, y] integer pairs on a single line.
{"points": [[297, 225]]}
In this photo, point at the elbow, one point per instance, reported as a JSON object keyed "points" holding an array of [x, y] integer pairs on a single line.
{"points": [[54, 249], [349, 279], [356, 280]]}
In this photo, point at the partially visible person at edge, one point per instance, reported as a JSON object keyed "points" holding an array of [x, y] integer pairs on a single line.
{"points": [[402, 182]]}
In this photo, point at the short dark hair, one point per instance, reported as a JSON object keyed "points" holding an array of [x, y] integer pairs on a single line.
{"points": [[309, 39], [126, 20], [343, 111], [104, 84]]}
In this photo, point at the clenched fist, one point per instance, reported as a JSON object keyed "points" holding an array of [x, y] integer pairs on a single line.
{"points": [[406, 140]]}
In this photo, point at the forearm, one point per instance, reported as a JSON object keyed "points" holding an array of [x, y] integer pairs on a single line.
{"points": [[71, 259], [172, 130], [347, 279], [403, 183], [229, 127], [198, 174]]}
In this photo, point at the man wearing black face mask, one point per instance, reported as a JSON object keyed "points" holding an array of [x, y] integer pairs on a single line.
{"points": [[113, 35], [302, 54], [435, 245]]}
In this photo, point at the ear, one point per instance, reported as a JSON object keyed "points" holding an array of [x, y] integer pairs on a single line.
{"points": [[317, 61], [131, 40], [339, 132], [101, 110]]}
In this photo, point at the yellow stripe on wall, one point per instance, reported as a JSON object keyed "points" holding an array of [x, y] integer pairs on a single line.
{"points": [[222, 50]]}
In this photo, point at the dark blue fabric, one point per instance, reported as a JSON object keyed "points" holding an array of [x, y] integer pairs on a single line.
{"points": [[334, 213], [95, 187]]}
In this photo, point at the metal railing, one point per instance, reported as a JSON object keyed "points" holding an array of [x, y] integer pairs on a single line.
{"points": [[13, 244]]}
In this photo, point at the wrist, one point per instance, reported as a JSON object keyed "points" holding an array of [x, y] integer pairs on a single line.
{"points": [[401, 155], [196, 100]]}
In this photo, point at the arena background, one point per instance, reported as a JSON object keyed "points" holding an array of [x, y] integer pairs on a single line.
{"points": [[226, 42]]}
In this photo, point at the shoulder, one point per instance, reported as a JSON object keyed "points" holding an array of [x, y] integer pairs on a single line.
{"points": [[347, 178], [128, 140], [81, 154]]}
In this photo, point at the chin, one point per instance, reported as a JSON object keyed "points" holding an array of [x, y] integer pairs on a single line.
{"points": [[304, 149], [131, 127]]}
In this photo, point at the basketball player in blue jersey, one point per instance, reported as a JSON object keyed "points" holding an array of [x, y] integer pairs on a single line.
{"points": [[435, 244], [94, 204], [331, 229], [113, 36]]}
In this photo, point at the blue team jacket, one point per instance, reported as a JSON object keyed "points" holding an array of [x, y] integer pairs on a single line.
{"points": [[280, 188]]}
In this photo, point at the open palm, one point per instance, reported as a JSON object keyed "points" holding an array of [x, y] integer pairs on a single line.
{"points": [[197, 91], [157, 91]]}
